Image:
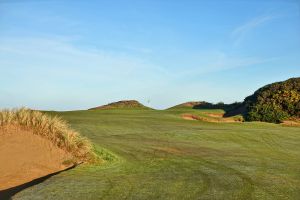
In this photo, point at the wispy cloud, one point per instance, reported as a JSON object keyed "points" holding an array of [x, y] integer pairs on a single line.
{"points": [[62, 55], [56, 73], [50, 67], [217, 61], [239, 33]]}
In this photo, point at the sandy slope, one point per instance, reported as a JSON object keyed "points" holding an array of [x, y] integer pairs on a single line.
{"points": [[25, 156]]}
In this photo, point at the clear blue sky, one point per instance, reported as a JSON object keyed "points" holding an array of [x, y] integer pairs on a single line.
{"points": [[66, 55]]}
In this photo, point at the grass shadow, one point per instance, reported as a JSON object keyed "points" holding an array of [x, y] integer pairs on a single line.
{"points": [[230, 110], [8, 193]]}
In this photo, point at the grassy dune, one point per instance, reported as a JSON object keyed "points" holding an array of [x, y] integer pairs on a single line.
{"points": [[53, 128], [159, 155]]}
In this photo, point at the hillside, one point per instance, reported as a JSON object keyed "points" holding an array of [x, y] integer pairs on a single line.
{"points": [[274, 102], [131, 104], [189, 104], [207, 105]]}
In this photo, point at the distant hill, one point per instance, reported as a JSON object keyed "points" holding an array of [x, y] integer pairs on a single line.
{"points": [[274, 102], [131, 104], [189, 104], [220, 105], [207, 105]]}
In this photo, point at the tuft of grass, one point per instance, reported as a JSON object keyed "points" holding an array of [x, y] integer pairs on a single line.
{"points": [[53, 128]]}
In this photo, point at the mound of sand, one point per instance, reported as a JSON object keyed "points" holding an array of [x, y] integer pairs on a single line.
{"points": [[25, 156], [121, 104]]}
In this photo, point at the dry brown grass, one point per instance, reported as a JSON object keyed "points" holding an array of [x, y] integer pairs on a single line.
{"points": [[291, 122], [53, 128]]}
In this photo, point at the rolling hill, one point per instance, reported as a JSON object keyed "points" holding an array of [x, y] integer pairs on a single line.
{"points": [[124, 104]]}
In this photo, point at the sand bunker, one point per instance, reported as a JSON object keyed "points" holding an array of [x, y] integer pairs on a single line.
{"points": [[208, 119], [190, 117], [25, 156], [291, 122], [214, 114]]}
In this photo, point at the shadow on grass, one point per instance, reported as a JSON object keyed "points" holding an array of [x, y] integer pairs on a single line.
{"points": [[8, 193], [233, 109]]}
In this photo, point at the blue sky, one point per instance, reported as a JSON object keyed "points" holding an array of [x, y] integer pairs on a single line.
{"points": [[65, 55]]}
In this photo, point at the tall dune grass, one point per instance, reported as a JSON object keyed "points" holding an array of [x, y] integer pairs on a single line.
{"points": [[53, 128]]}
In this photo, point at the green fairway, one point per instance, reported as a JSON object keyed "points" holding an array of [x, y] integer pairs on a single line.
{"points": [[159, 155]]}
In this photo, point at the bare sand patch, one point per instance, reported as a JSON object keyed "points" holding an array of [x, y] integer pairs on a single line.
{"points": [[208, 119], [291, 122], [25, 156], [219, 115], [190, 117]]}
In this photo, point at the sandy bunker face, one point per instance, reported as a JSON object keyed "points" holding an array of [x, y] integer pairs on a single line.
{"points": [[25, 156]]}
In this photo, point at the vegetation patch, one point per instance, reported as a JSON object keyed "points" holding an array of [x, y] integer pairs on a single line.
{"points": [[275, 102], [53, 128], [220, 105], [106, 155]]}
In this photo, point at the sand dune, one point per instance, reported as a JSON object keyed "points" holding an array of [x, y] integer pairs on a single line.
{"points": [[25, 156]]}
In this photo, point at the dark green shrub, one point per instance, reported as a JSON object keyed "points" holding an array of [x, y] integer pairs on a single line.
{"points": [[274, 102]]}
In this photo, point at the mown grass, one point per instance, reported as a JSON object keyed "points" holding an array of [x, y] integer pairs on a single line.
{"points": [[162, 156], [54, 128]]}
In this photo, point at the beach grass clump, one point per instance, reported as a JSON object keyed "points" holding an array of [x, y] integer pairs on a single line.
{"points": [[54, 128]]}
